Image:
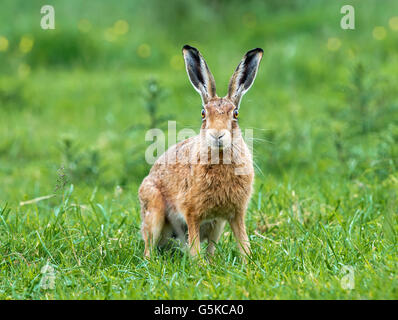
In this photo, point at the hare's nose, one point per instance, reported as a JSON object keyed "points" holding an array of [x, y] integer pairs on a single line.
{"points": [[218, 136]]}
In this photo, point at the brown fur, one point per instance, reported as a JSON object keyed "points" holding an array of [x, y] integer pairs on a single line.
{"points": [[187, 194]]}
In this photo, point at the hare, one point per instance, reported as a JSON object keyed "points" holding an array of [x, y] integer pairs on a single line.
{"points": [[194, 188]]}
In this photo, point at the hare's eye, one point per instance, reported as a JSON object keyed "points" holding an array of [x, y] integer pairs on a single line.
{"points": [[236, 114], [203, 113]]}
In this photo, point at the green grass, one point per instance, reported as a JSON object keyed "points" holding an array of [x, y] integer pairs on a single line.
{"points": [[326, 148]]}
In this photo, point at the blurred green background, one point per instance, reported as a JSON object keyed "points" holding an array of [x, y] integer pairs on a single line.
{"points": [[324, 107], [324, 100]]}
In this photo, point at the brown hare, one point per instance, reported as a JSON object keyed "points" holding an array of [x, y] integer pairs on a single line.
{"points": [[194, 186]]}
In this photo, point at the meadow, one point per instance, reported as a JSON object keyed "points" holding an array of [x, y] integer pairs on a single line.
{"points": [[75, 103]]}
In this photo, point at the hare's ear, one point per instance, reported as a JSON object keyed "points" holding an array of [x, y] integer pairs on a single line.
{"points": [[244, 75], [199, 73]]}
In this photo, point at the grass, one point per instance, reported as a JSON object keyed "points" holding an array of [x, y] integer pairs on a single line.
{"points": [[300, 247], [72, 124]]}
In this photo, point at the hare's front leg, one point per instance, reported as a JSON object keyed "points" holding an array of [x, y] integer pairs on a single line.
{"points": [[214, 235], [193, 224], [239, 229]]}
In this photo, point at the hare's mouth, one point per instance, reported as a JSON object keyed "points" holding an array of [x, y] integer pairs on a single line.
{"points": [[218, 139], [219, 143]]}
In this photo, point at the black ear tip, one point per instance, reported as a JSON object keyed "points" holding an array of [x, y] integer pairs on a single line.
{"points": [[189, 48], [254, 54], [255, 51]]}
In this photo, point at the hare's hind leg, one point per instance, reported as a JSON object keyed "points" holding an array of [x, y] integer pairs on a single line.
{"points": [[153, 215]]}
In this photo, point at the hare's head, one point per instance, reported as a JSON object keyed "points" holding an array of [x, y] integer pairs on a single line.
{"points": [[220, 115]]}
